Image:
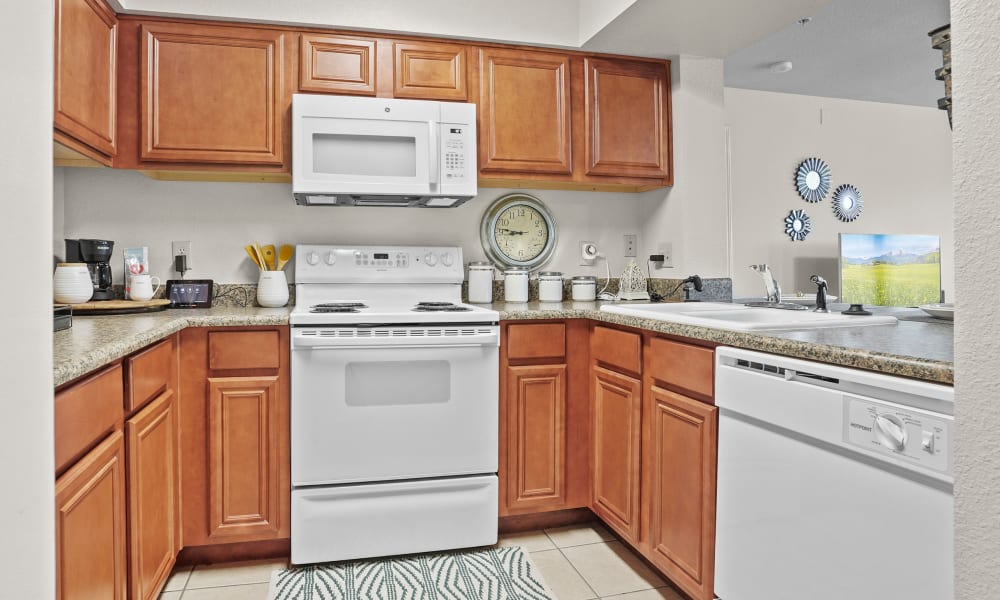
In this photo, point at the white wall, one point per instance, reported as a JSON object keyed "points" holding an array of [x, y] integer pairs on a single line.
{"points": [[898, 156], [976, 174], [594, 15], [220, 218], [26, 443], [692, 215]]}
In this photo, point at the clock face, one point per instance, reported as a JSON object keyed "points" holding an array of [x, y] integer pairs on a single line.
{"points": [[518, 231]]}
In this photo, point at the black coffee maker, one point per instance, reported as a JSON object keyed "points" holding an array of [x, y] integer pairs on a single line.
{"points": [[96, 253]]}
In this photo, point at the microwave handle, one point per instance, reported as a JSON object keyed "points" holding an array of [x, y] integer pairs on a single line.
{"points": [[434, 149]]}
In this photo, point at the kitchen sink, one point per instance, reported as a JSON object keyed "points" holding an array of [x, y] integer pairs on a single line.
{"points": [[743, 318]]}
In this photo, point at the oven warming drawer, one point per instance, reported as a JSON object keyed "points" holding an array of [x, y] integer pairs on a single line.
{"points": [[404, 517]]}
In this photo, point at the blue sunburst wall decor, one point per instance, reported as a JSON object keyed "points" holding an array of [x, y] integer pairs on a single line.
{"points": [[847, 203], [812, 179], [797, 225]]}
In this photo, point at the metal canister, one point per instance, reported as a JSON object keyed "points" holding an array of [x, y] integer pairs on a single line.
{"points": [[584, 288], [550, 286], [480, 282], [515, 285]]}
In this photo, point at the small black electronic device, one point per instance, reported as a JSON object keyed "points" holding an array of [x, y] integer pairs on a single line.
{"points": [[189, 293]]}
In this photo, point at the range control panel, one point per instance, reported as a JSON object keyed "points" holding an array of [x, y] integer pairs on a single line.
{"points": [[910, 434], [378, 264]]}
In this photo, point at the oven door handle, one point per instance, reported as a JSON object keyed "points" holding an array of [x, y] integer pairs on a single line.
{"points": [[310, 343]]}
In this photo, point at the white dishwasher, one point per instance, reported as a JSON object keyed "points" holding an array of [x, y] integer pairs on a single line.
{"points": [[834, 483]]}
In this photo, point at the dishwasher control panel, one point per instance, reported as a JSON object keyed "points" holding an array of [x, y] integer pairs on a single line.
{"points": [[910, 434]]}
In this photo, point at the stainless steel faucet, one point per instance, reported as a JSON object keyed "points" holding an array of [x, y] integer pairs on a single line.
{"points": [[820, 294], [770, 284]]}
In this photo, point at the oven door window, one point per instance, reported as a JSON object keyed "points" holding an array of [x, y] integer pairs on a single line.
{"points": [[381, 413]]}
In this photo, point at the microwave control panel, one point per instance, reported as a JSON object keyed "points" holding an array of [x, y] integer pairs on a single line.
{"points": [[454, 151]]}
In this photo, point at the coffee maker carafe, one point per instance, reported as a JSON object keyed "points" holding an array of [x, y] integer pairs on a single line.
{"points": [[97, 254]]}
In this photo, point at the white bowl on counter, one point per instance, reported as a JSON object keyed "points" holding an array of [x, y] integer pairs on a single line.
{"points": [[945, 310]]}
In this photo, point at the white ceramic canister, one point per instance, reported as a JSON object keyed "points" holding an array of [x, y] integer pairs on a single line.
{"points": [[515, 285], [71, 283], [480, 282], [550, 286], [584, 288], [272, 289]]}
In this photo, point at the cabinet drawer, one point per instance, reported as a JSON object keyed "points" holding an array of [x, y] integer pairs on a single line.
{"points": [[243, 350], [617, 348], [150, 373], [86, 411], [682, 365], [536, 340]]}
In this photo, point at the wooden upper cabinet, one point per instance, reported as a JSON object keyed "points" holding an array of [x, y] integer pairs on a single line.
{"points": [[86, 40], [524, 112], [628, 118], [337, 65], [211, 94], [429, 71]]}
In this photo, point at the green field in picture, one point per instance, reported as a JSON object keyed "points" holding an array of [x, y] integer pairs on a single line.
{"points": [[891, 285]]}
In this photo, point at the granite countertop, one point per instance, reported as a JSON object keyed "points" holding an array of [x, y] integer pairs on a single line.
{"points": [[916, 346], [93, 342]]}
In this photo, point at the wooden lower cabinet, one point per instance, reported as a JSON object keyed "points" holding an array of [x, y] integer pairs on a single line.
{"points": [[90, 525], [616, 437], [679, 476], [153, 495], [235, 447]]}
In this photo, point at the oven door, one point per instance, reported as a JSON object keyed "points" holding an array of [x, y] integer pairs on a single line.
{"points": [[391, 403]]}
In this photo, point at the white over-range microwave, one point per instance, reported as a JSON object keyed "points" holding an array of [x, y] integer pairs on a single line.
{"points": [[350, 151]]}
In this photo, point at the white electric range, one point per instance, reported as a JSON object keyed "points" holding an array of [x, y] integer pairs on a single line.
{"points": [[394, 408]]}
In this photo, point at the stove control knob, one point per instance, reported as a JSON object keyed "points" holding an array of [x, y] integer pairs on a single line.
{"points": [[330, 258], [430, 259], [446, 259], [312, 258], [890, 432]]}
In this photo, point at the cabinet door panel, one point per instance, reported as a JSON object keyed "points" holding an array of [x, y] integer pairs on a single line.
{"points": [[90, 525], [211, 94], [86, 41], [243, 440], [628, 118], [335, 64], [537, 447], [154, 496], [429, 71], [616, 439], [524, 112], [681, 480]]}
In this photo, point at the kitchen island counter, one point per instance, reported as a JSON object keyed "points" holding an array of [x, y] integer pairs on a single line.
{"points": [[917, 347], [94, 341]]}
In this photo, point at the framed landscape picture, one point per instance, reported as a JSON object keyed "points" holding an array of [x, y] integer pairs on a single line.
{"points": [[890, 269]]}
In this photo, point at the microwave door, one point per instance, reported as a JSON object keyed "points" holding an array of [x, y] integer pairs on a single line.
{"points": [[370, 156]]}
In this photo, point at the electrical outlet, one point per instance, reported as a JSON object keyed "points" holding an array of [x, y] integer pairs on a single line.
{"points": [[588, 253], [630, 245], [181, 249], [667, 250]]}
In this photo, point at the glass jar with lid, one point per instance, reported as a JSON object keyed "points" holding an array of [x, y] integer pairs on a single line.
{"points": [[515, 284], [550, 286], [584, 288]]}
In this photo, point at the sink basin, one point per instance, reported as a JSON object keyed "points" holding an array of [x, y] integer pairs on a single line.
{"points": [[743, 318]]}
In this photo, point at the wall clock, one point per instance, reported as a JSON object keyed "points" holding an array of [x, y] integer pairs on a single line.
{"points": [[518, 231]]}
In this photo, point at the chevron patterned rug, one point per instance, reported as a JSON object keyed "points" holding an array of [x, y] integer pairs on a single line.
{"points": [[485, 574]]}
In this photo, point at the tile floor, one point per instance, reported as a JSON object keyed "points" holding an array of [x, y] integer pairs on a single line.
{"points": [[579, 562]]}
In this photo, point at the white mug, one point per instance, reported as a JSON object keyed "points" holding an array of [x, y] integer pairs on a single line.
{"points": [[142, 287]]}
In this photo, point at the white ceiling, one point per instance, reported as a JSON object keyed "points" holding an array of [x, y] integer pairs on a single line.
{"points": [[875, 50]]}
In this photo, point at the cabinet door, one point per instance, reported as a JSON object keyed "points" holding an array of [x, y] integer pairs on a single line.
{"points": [[211, 94], [86, 41], [337, 65], [680, 475], [154, 496], [245, 421], [90, 525], [524, 111], [429, 71], [616, 439], [536, 447], [628, 118]]}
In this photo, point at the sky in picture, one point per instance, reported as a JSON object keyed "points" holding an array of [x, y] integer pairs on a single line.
{"points": [[869, 245]]}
